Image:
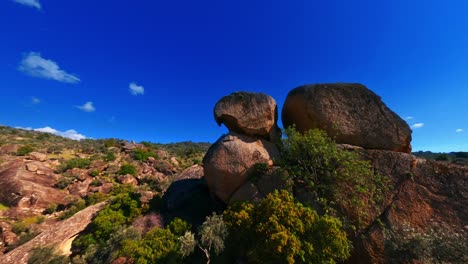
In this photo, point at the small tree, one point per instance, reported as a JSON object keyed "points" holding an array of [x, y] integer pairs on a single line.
{"points": [[212, 234]]}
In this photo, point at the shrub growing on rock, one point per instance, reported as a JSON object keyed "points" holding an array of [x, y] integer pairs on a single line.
{"points": [[336, 179], [24, 150], [127, 169]]}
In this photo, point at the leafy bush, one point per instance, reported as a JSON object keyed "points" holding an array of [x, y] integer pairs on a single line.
{"points": [[281, 230], [142, 154], [24, 150], [158, 245], [212, 234], [110, 156], [3, 207], [41, 255], [436, 245], [337, 179], [127, 169], [75, 207], [50, 209], [94, 173], [77, 163]]}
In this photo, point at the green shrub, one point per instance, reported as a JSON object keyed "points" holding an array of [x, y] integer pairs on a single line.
{"points": [[158, 245], [19, 227], [63, 182], [110, 156], [76, 206], [78, 163], [142, 154], [94, 173], [281, 230], [40, 255], [52, 208], [3, 207], [437, 245], [338, 180], [24, 150], [127, 169]]}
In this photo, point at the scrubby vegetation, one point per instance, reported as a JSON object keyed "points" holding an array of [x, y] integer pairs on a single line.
{"points": [[337, 181]]}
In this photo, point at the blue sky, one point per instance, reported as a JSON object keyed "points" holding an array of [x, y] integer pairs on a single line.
{"points": [[153, 70]]}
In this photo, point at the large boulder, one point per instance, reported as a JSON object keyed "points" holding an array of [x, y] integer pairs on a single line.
{"points": [[253, 114], [350, 113], [229, 161]]}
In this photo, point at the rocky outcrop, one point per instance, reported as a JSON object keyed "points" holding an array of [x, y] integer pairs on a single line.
{"points": [[423, 194], [228, 162], [252, 114], [193, 172], [58, 236], [37, 156], [348, 112], [27, 190]]}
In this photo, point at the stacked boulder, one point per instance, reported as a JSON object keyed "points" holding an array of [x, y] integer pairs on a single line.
{"points": [[350, 113], [252, 122]]}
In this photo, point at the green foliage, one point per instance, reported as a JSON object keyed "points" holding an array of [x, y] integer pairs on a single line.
{"points": [[95, 198], [75, 207], [212, 234], [3, 207], [50, 209], [187, 244], [77, 163], [110, 156], [142, 154], [94, 173], [19, 227], [127, 169], [158, 245], [122, 210], [63, 182], [281, 230], [43, 136], [24, 150], [442, 157], [436, 245], [337, 179], [111, 142], [40, 255]]}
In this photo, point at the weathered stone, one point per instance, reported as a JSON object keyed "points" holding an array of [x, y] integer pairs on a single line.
{"points": [[228, 162], [253, 114], [348, 112], [174, 161], [247, 192], [193, 172], [80, 188], [31, 167], [38, 156], [127, 179]]}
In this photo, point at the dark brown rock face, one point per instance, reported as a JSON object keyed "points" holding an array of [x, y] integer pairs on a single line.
{"points": [[350, 113], [252, 114], [229, 161], [423, 194]]}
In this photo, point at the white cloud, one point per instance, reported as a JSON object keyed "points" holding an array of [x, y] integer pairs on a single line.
{"points": [[87, 107], [417, 125], [35, 100], [30, 3], [409, 118], [35, 65], [136, 89], [459, 130], [71, 133]]}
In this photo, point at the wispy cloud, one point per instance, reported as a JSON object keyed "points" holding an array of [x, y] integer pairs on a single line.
{"points": [[87, 107], [71, 133], [459, 130], [30, 3], [417, 125], [136, 89], [35, 65], [409, 118], [35, 100]]}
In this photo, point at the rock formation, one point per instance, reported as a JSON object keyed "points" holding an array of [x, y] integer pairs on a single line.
{"points": [[348, 112], [423, 194], [58, 236], [28, 190], [229, 161], [252, 114], [251, 119]]}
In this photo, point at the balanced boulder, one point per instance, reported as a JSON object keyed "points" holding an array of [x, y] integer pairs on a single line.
{"points": [[253, 114], [230, 159], [348, 112]]}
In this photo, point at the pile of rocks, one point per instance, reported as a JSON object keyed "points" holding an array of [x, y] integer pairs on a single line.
{"points": [[252, 122]]}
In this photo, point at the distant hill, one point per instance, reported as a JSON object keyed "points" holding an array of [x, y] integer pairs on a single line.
{"points": [[459, 158]]}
